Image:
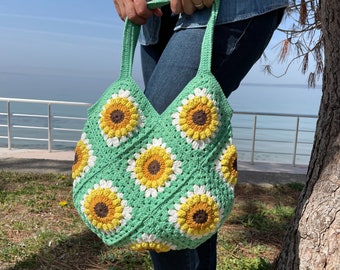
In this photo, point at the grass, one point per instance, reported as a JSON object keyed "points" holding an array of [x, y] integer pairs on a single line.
{"points": [[40, 229]]}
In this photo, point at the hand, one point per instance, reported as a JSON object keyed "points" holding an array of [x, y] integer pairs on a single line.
{"points": [[136, 10], [189, 6]]}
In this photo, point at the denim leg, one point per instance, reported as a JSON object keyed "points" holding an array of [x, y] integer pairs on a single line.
{"points": [[151, 54], [185, 259], [237, 46], [201, 258], [207, 254], [175, 68]]}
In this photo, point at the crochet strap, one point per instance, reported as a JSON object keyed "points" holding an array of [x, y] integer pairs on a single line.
{"points": [[131, 33], [207, 44], [130, 37]]}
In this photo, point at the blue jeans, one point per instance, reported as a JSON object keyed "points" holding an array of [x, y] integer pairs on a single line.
{"points": [[168, 67]]}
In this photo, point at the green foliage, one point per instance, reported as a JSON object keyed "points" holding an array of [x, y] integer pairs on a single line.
{"points": [[246, 264], [296, 186], [303, 42]]}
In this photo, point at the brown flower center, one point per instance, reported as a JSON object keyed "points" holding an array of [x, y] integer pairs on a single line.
{"points": [[101, 210], [199, 118], [154, 167], [117, 116], [235, 164], [200, 217], [75, 160]]}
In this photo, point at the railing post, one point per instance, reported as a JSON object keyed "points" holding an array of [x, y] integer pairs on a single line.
{"points": [[296, 139], [9, 142], [253, 141], [49, 133]]}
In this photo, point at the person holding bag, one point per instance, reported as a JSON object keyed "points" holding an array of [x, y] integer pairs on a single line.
{"points": [[170, 59], [243, 30], [170, 186]]}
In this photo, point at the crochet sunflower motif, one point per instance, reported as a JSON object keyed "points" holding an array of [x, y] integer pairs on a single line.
{"points": [[84, 159], [197, 215], [226, 165], [154, 167], [105, 208], [155, 181], [119, 118], [150, 242], [197, 119]]}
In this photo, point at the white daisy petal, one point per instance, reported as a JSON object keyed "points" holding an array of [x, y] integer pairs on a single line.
{"points": [[150, 241]]}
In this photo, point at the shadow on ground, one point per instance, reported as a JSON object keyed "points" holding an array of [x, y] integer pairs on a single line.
{"points": [[81, 251]]}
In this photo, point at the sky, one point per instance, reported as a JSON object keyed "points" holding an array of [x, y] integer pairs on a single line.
{"points": [[70, 50]]}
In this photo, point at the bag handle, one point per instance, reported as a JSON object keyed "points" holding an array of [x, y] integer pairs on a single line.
{"points": [[207, 44], [131, 33]]}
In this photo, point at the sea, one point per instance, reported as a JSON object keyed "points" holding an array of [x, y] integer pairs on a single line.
{"points": [[275, 135]]}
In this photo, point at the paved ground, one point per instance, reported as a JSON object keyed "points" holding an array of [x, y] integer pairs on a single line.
{"points": [[23, 160]]}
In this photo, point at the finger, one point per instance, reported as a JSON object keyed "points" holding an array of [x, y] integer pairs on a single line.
{"points": [[198, 4], [158, 12], [120, 8], [188, 7], [131, 12], [208, 3], [176, 6], [142, 9]]}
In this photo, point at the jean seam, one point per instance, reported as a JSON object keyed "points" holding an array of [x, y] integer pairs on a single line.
{"points": [[241, 36]]}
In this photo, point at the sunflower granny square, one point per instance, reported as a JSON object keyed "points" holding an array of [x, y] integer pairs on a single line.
{"points": [[156, 181]]}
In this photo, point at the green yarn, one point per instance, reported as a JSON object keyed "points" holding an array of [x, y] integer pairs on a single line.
{"points": [[156, 181]]}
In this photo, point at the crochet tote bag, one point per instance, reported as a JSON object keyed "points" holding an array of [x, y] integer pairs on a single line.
{"points": [[156, 181]]}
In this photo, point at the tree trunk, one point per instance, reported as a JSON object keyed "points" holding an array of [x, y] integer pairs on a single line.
{"points": [[313, 238]]}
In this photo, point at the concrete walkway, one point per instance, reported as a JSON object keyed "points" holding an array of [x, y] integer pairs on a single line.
{"points": [[42, 161]]}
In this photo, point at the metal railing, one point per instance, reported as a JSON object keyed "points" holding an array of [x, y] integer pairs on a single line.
{"points": [[46, 121], [274, 137], [57, 125]]}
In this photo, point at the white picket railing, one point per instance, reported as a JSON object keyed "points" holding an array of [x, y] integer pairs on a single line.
{"points": [[58, 125]]}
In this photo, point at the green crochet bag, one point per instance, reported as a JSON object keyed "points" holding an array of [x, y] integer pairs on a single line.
{"points": [[156, 181]]}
